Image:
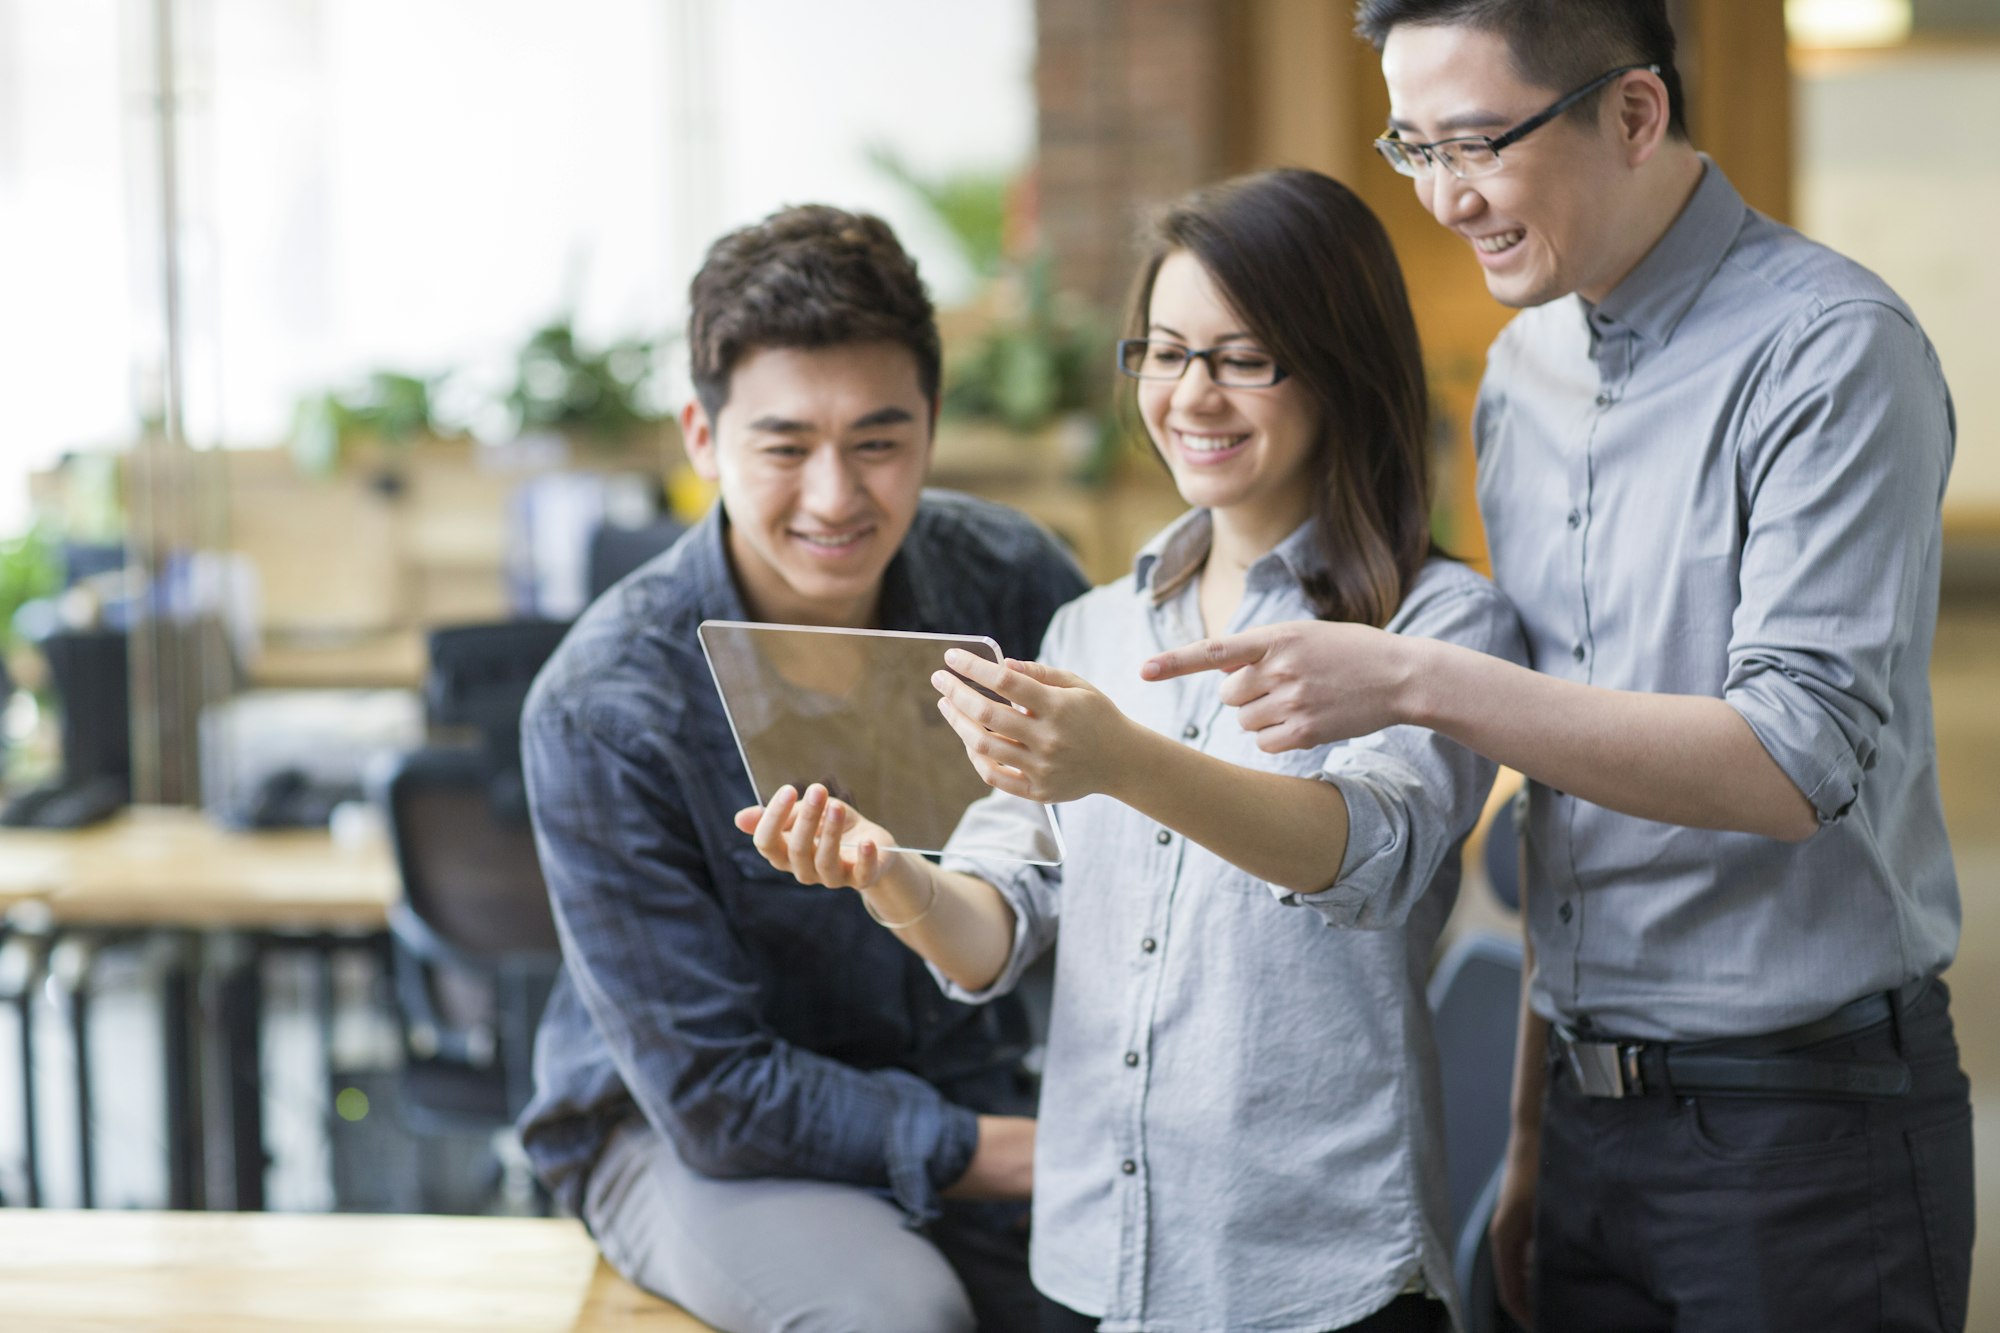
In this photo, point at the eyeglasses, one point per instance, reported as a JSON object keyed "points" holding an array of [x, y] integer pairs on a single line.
{"points": [[1229, 366], [1475, 154]]}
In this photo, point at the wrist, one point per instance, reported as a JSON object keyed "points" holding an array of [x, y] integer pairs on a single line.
{"points": [[1415, 699], [1134, 751], [904, 889]]}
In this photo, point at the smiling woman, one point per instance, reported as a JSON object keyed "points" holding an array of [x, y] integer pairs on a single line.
{"points": [[1278, 375]]}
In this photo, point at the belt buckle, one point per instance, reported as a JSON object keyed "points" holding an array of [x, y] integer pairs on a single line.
{"points": [[1604, 1069]]}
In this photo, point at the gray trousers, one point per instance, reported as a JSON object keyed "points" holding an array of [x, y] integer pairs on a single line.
{"points": [[791, 1256]]}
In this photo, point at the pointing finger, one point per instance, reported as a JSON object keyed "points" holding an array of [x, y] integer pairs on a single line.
{"points": [[1225, 654]]}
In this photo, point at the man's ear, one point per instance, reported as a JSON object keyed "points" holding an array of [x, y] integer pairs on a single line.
{"points": [[698, 440], [1644, 114]]}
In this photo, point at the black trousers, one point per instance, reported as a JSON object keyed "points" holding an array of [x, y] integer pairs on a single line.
{"points": [[991, 1260], [1712, 1214], [1405, 1314]]}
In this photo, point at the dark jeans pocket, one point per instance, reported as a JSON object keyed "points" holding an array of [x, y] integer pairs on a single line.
{"points": [[1751, 1130], [1941, 1159]]}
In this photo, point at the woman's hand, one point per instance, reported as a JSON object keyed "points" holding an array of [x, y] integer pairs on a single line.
{"points": [[1062, 738], [802, 836]]}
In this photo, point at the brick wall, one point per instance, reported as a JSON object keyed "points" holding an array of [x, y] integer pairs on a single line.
{"points": [[1132, 106]]}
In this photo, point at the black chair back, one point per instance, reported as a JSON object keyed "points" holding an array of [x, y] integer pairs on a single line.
{"points": [[1503, 855], [480, 674], [1475, 998], [616, 551], [469, 870]]}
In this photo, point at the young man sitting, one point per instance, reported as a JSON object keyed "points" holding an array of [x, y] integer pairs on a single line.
{"points": [[757, 1100]]}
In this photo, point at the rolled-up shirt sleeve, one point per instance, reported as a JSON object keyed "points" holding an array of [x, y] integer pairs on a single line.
{"points": [[1033, 892], [1846, 454], [1412, 795], [668, 985]]}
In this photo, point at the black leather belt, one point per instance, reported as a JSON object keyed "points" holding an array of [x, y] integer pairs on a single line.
{"points": [[1773, 1064]]}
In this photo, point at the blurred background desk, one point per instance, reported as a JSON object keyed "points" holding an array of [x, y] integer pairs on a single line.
{"points": [[198, 1272], [174, 868], [222, 898]]}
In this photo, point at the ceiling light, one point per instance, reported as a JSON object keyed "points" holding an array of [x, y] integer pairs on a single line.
{"points": [[1847, 23]]}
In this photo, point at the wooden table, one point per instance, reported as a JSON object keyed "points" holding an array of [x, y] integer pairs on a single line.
{"points": [[161, 866], [221, 1272], [172, 870]]}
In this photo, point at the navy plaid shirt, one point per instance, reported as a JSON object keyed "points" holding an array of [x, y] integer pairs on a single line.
{"points": [[768, 1028]]}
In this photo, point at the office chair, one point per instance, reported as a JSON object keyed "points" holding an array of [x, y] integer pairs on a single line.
{"points": [[473, 948], [473, 944], [616, 550], [1503, 854], [88, 669], [479, 677], [1475, 1006]]}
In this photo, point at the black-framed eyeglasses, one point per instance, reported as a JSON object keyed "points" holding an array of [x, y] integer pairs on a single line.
{"points": [[1230, 365], [1475, 154]]}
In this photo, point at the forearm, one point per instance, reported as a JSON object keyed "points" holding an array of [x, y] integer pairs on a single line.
{"points": [[958, 923], [1679, 759], [1289, 831]]}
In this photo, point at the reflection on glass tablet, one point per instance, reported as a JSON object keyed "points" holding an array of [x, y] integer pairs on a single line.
{"points": [[855, 710]]}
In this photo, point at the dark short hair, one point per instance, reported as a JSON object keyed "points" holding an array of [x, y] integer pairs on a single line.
{"points": [[1312, 274], [1555, 44], [807, 276]]}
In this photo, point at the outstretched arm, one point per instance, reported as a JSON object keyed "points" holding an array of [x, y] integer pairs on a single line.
{"points": [[959, 924], [1062, 739], [1681, 759]]}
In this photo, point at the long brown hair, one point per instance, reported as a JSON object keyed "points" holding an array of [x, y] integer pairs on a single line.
{"points": [[1310, 271]]}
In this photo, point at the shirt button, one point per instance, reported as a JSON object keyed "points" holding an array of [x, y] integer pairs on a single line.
{"points": [[1131, 1059], [1129, 1167], [1190, 731], [1565, 912], [1163, 837], [1577, 652], [1604, 400], [1575, 518], [1149, 944]]}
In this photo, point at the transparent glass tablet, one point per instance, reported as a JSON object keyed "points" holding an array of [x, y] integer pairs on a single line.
{"points": [[855, 710]]}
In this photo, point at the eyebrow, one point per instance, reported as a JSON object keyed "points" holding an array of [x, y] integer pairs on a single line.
{"points": [[881, 416], [1450, 125], [1182, 337]]}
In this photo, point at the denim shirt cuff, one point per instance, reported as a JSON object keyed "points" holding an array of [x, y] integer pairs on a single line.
{"points": [[930, 1146]]}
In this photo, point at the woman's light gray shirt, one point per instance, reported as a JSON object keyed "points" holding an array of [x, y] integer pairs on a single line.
{"points": [[1239, 1116]]}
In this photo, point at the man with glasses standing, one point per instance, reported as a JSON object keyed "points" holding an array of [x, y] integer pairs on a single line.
{"points": [[1711, 459]]}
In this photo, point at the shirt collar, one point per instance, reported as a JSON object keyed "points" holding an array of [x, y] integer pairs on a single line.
{"points": [[1655, 296], [706, 569], [1163, 562]]}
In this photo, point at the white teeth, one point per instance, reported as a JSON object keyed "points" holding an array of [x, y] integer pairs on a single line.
{"points": [[828, 543], [1493, 245], [1211, 444]]}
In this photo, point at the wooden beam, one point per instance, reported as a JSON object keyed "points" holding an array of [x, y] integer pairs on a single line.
{"points": [[1737, 72]]}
